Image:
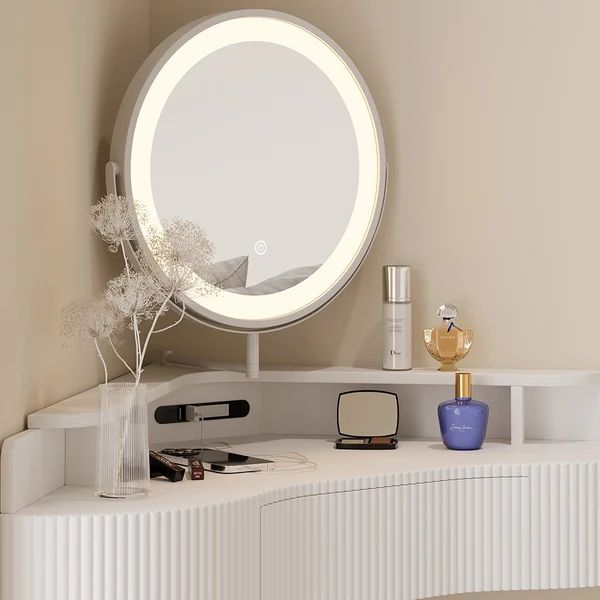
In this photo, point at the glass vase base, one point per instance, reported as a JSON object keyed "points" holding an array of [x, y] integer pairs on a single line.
{"points": [[126, 493]]}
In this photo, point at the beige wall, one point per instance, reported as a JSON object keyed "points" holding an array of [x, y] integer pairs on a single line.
{"points": [[490, 113], [65, 65]]}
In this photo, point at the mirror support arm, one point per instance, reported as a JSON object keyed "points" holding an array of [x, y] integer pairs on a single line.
{"points": [[252, 355], [110, 174]]}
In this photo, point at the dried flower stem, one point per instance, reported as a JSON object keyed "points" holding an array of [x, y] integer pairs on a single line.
{"points": [[159, 312], [114, 349], [125, 258], [101, 360], [136, 335], [173, 324]]}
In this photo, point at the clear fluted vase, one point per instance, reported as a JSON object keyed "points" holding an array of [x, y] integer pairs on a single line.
{"points": [[122, 463]]}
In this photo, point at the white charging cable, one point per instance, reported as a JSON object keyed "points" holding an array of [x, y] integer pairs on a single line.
{"points": [[283, 462], [288, 462], [210, 445]]}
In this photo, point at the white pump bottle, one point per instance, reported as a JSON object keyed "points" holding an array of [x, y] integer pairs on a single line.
{"points": [[397, 318]]}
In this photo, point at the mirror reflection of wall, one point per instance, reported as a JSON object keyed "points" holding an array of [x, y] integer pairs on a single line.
{"points": [[367, 413], [255, 144]]}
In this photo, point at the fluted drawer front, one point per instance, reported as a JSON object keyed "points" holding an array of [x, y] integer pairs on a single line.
{"points": [[195, 554], [398, 536], [423, 535], [436, 532]]}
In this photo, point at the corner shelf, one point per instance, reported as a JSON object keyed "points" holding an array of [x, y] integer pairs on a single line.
{"points": [[81, 410]]}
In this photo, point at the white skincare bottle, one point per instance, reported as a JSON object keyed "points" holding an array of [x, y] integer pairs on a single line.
{"points": [[397, 318]]}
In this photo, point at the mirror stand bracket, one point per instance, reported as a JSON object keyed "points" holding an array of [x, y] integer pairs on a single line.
{"points": [[110, 175], [251, 368], [252, 355]]}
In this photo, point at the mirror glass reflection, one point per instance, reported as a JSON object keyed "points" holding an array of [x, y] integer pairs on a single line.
{"points": [[256, 145], [367, 413]]}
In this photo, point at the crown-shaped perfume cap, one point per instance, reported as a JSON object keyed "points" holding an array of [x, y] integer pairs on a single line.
{"points": [[462, 385], [447, 311]]}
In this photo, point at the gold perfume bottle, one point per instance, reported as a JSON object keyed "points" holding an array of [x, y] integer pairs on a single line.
{"points": [[448, 343]]}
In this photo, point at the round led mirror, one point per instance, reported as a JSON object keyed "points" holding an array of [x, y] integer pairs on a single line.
{"points": [[256, 126]]}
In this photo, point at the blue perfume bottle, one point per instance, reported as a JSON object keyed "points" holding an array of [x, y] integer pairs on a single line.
{"points": [[463, 421]]}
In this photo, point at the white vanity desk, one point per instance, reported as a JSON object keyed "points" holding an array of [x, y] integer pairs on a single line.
{"points": [[257, 127], [417, 522]]}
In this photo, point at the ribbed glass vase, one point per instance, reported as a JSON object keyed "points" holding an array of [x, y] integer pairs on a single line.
{"points": [[122, 463]]}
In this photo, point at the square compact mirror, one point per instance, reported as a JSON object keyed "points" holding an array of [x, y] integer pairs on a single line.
{"points": [[368, 419]]}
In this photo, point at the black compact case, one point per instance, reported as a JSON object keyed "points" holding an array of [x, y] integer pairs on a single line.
{"points": [[368, 420], [371, 443]]}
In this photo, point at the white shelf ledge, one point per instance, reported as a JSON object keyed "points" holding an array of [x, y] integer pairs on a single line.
{"points": [[82, 410], [420, 376]]}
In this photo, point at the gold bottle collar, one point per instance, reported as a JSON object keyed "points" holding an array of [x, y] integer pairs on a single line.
{"points": [[463, 385]]}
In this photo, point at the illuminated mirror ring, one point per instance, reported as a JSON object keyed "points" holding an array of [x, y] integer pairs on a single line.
{"points": [[149, 146]]}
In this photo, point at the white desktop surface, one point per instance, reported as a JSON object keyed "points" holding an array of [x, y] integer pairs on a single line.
{"points": [[343, 469]]}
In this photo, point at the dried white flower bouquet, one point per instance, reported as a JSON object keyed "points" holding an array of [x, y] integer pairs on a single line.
{"points": [[183, 252]]}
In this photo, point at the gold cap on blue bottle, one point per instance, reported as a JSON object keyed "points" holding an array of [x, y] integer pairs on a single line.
{"points": [[462, 385]]}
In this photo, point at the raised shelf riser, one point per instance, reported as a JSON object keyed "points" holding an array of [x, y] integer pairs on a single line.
{"points": [[556, 414], [82, 410], [311, 409]]}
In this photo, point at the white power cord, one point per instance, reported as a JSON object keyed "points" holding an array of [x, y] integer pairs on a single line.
{"points": [[210, 445], [283, 462], [288, 462]]}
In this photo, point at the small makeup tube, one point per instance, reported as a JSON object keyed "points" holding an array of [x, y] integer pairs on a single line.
{"points": [[163, 467], [196, 469]]}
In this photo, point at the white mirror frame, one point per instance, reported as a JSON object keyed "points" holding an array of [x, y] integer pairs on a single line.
{"points": [[132, 146]]}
